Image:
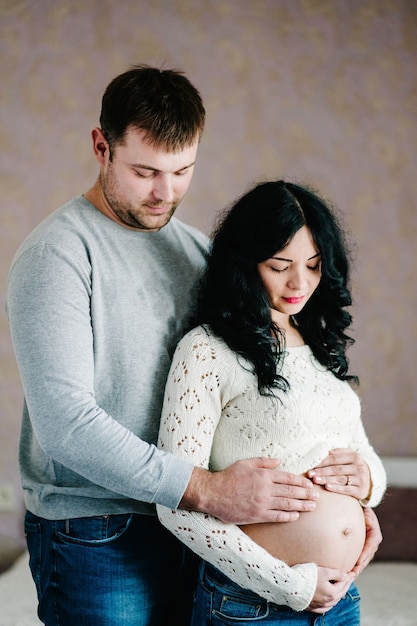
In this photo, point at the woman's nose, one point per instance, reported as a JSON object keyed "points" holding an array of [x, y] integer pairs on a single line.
{"points": [[297, 279]]}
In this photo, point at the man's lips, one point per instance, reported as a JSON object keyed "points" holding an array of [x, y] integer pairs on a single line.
{"points": [[158, 210]]}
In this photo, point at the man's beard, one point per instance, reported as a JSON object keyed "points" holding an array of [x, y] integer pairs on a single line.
{"points": [[132, 216]]}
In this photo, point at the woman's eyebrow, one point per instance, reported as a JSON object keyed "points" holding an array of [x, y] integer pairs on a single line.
{"points": [[281, 258]]}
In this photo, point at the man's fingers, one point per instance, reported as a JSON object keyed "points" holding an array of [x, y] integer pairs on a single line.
{"points": [[338, 456], [255, 491], [266, 462], [292, 480], [285, 516]]}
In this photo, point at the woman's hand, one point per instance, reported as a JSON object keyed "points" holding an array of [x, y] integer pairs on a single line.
{"points": [[372, 540], [332, 586], [343, 471]]}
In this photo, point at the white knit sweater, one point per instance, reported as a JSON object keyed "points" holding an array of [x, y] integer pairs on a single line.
{"points": [[214, 415]]}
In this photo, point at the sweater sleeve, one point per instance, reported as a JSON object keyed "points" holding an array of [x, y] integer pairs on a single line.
{"points": [[199, 385], [360, 443], [49, 310]]}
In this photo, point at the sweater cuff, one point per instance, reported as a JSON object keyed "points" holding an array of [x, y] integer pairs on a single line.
{"points": [[175, 478], [309, 574]]}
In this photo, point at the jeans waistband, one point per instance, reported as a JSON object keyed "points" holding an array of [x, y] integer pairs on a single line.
{"points": [[218, 578]]}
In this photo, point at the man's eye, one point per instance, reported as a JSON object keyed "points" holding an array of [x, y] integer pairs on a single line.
{"points": [[145, 174]]}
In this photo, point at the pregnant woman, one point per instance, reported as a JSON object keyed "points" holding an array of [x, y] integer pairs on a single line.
{"points": [[265, 373]]}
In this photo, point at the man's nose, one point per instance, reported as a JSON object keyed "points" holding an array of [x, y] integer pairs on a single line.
{"points": [[163, 188]]}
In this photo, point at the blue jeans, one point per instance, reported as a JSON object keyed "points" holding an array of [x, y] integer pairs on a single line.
{"points": [[219, 602], [116, 570]]}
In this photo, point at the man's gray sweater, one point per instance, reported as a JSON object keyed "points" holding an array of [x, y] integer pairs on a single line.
{"points": [[95, 312]]}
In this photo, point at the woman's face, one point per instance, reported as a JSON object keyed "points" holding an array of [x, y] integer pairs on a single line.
{"points": [[291, 276]]}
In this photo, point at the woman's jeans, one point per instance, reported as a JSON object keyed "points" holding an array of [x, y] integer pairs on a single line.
{"points": [[219, 601], [116, 570]]}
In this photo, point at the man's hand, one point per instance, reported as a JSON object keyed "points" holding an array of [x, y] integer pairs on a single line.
{"points": [[250, 491], [332, 586], [372, 541], [343, 471]]}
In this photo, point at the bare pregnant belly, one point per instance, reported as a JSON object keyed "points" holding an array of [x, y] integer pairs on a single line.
{"points": [[331, 536]]}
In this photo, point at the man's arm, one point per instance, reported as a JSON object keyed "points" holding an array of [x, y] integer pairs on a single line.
{"points": [[50, 314], [248, 492]]}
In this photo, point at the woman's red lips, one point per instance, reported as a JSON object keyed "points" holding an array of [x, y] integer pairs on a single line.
{"points": [[294, 300]]}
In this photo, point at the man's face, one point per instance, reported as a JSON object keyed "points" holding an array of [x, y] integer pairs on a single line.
{"points": [[143, 185]]}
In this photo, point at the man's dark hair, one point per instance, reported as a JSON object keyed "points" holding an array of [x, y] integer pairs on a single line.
{"points": [[163, 103]]}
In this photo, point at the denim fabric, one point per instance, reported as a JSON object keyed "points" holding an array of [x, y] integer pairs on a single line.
{"points": [[117, 570], [219, 602]]}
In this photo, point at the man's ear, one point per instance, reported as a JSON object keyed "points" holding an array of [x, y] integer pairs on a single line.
{"points": [[100, 146]]}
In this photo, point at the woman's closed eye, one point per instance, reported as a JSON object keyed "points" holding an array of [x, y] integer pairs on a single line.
{"points": [[313, 268]]}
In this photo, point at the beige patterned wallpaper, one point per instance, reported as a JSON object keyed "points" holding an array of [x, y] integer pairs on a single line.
{"points": [[322, 91]]}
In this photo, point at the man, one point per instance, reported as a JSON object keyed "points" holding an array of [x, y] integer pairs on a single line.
{"points": [[98, 296]]}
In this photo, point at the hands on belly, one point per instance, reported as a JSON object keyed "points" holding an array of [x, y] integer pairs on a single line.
{"points": [[332, 586], [343, 471]]}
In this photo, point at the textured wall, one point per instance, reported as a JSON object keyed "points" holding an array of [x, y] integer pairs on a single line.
{"points": [[323, 91]]}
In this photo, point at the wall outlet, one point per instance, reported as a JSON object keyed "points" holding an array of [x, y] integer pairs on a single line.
{"points": [[7, 498]]}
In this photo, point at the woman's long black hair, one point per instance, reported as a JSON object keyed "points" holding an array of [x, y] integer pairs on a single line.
{"points": [[234, 302]]}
